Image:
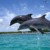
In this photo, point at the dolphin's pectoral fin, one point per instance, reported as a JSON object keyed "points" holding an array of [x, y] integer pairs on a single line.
{"points": [[32, 29], [39, 30]]}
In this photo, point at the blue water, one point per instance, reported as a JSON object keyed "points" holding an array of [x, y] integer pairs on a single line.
{"points": [[25, 41]]}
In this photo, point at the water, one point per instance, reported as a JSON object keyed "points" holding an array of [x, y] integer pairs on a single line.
{"points": [[24, 41]]}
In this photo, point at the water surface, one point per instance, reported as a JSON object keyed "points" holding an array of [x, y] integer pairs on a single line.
{"points": [[25, 41]]}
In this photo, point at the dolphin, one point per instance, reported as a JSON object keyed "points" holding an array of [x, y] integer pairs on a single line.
{"points": [[20, 19], [36, 24]]}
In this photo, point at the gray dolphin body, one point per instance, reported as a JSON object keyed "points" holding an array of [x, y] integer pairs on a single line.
{"points": [[36, 23], [20, 19]]}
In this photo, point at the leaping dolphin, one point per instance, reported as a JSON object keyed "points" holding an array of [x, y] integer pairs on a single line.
{"points": [[36, 23], [20, 19]]}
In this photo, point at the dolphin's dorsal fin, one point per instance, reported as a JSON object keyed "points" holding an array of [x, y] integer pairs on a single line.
{"points": [[43, 16], [29, 14]]}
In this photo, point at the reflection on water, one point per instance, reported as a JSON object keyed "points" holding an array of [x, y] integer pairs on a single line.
{"points": [[25, 41]]}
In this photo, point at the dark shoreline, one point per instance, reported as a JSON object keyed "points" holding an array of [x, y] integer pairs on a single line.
{"points": [[20, 32]]}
